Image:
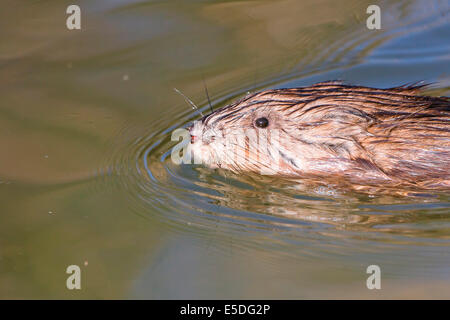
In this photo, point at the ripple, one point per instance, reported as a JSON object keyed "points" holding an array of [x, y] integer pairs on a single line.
{"points": [[191, 197]]}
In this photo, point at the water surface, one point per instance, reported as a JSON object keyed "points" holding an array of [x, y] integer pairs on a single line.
{"points": [[86, 177]]}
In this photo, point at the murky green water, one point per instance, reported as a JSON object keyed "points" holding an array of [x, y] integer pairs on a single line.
{"points": [[85, 171]]}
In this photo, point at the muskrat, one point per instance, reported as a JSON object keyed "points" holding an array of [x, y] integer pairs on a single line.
{"points": [[361, 135]]}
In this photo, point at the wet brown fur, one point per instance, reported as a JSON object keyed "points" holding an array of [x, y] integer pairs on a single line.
{"points": [[374, 136]]}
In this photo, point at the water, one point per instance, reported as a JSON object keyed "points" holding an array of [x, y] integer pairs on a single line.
{"points": [[85, 170]]}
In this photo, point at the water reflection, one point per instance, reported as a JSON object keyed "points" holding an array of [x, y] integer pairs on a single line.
{"points": [[190, 194]]}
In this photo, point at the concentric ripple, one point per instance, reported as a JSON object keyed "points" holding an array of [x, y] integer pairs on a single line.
{"points": [[188, 196], [185, 196]]}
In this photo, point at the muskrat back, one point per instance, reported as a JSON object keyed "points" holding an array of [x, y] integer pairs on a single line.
{"points": [[357, 134]]}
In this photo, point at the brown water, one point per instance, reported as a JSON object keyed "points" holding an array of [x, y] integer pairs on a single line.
{"points": [[85, 171]]}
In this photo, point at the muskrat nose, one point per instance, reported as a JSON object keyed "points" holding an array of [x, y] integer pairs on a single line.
{"points": [[193, 137]]}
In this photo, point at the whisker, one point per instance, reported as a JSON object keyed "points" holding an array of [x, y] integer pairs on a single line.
{"points": [[189, 101], [207, 95]]}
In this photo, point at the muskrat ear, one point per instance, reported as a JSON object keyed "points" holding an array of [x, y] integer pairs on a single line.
{"points": [[328, 125]]}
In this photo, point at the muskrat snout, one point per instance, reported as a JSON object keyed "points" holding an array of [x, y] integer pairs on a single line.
{"points": [[193, 136]]}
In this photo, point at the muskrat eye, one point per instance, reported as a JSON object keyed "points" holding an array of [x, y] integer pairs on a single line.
{"points": [[261, 122]]}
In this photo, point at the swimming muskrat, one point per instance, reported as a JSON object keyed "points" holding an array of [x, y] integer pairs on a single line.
{"points": [[360, 135]]}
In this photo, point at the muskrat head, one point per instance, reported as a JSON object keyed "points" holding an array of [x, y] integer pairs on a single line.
{"points": [[264, 132]]}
